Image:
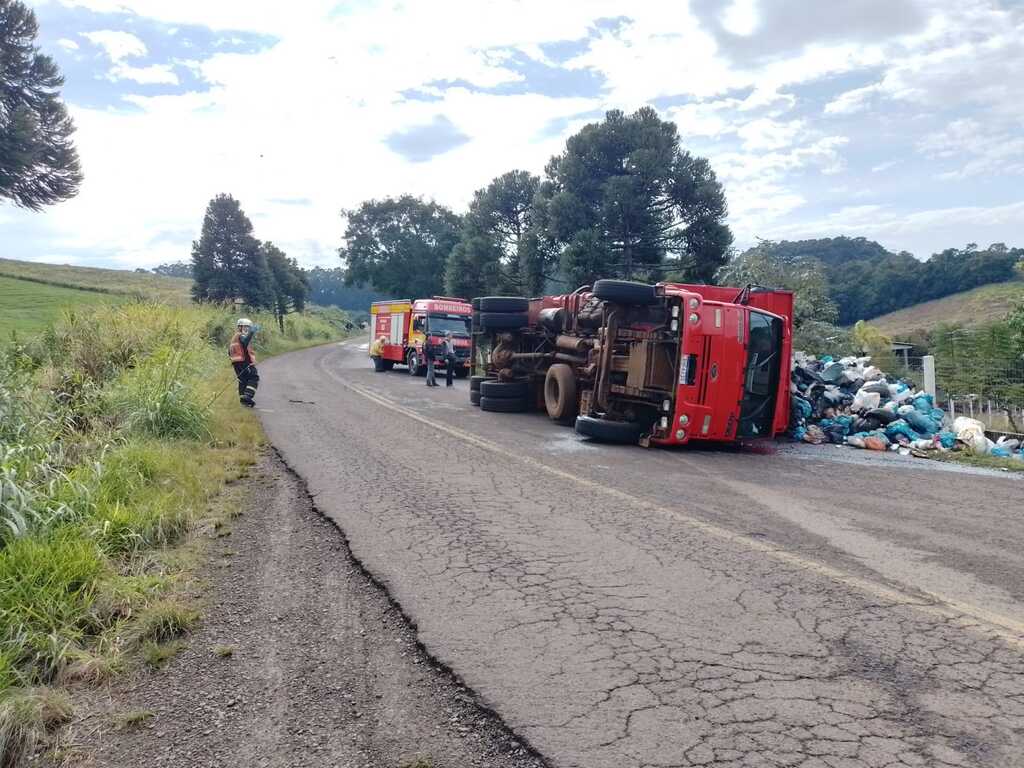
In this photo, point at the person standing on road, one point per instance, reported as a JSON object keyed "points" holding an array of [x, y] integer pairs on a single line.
{"points": [[449, 358], [428, 350], [243, 359]]}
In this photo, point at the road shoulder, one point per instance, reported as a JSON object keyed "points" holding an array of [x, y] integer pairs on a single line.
{"points": [[300, 660]]}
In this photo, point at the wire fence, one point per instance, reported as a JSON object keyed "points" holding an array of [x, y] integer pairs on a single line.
{"points": [[989, 389]]}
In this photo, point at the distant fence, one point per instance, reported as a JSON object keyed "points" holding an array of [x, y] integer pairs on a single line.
{"points": [[989, 389]]}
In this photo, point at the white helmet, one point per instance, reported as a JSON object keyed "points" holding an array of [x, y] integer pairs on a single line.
{"points": [[244, 322]]}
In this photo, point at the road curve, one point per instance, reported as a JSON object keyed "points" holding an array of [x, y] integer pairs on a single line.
{"points": [[621, 607]]}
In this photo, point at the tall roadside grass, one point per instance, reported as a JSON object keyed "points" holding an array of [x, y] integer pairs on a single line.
{"points": [[112, 441]]}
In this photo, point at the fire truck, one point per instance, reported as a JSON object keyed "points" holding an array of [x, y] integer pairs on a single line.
{"points": [[401, 329], [627, 362]]}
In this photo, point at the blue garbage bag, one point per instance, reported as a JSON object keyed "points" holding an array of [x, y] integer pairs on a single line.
{"points": [[947, 439], [801, 408], [924, 403], [937, 415], [901, 427], [797, 433], [826, 359], [921, 423], [999, 452]]}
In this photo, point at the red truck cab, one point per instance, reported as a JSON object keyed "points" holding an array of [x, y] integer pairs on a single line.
{"points": [[735, 348]]}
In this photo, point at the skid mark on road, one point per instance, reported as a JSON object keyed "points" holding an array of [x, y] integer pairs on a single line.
{"points": [[963, 614]]}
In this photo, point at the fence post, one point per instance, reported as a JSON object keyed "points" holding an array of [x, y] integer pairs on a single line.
{"points": [[929, 374]]}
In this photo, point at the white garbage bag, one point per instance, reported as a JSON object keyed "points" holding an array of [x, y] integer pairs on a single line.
{"points": [[971, 433], [866, 401]]}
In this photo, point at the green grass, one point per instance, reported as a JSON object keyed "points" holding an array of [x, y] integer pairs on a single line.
{"points": [[979, 306], [171, 290], [26, 308], [26, 716], [120, 429]]}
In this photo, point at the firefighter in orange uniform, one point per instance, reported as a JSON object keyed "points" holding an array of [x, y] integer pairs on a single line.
{"points": [[243, 359]]}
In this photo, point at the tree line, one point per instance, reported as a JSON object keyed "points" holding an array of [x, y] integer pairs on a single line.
{"points": [[623, 199], [229, 264], [842, 279]]}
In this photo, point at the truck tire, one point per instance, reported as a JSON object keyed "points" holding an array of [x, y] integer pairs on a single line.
{"points": [[413, 361], [560, 392], [503, 404], [505, 390], [503, 321], [474, 396], [624, 292], [475, 381], [608, 431], [504, 304]]}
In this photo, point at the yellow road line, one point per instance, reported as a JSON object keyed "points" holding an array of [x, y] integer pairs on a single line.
{"points": [[1006, 628]]}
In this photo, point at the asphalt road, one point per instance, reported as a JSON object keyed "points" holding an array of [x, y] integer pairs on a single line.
{"points": [[626, 607]]}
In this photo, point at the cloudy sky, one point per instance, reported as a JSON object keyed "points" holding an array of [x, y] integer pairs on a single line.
{"points": [[899, 120]]}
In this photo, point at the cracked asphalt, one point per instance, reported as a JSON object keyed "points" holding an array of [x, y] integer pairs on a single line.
{"points": [[622, 607]]}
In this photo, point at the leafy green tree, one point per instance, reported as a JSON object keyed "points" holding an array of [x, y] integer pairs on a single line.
{"points": [[38, 161], [500, 250], [767, 266], [624, 196], [227, 262], [399, 245], [289, 285]]}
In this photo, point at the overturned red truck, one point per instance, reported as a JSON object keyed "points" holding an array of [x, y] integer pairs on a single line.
{"points": [[628, 362]]}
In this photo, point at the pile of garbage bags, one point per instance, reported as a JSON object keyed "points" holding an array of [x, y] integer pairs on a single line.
{"points": [[851, 402]]}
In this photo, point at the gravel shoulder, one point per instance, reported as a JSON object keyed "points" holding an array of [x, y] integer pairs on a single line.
{"points": [[324, 669]]}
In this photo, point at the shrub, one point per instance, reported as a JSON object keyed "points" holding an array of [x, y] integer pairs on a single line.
{"points": [[158, 398], [26, 716], [46, 592]]}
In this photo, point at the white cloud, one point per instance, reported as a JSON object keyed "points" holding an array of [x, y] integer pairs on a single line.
{"points": [[117, 44], [67, 44], [852, 101], [151, 75], [976, 148]]}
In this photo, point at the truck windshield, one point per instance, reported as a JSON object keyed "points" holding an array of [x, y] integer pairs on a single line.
{"points": [[761, 376], [457, 324]]}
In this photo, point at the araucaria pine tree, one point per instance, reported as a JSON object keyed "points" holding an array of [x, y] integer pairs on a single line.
{"points": [[38, 162], [227, 261]]}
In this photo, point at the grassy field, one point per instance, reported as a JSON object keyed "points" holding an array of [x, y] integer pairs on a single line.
{"points": [[170, 290], [979, 306], [26, 308]]}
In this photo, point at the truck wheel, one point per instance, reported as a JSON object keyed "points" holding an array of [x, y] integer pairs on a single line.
{"points": [[560, 392], [504, 304], [474, 396], [624, 292], [503, 321], [505, 390], [413, 361], [503, 404], [475, 381], [608, 431]]}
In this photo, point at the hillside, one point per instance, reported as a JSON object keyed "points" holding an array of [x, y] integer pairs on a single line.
{"points": [[27, 307], [172, 290], [977, 306]]}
